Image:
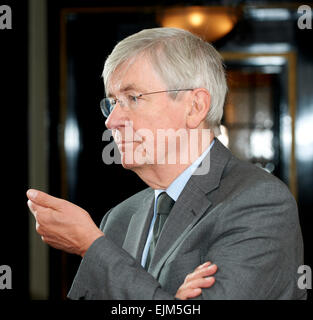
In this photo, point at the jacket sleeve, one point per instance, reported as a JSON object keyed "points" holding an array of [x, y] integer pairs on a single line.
{"points": [[108, 272]]}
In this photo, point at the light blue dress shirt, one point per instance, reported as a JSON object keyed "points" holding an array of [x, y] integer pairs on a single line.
{"points": [[174, 190]]}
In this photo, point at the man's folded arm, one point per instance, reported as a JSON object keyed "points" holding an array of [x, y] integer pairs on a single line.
{"points": [[108, 272]]}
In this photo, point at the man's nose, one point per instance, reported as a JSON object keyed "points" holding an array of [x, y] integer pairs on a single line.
{"points": [[117, 118]]}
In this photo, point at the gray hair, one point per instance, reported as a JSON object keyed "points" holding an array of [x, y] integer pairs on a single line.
{"points": [[181, 59]]}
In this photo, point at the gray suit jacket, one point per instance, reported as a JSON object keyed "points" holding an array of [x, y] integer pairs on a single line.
{"points": [[237, 216]]}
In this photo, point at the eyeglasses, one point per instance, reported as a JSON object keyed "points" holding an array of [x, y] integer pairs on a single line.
{"points": [[108, 104]]}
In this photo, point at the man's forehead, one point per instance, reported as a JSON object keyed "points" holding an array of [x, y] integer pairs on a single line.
{"points": [[121, 78], [123, 87]]}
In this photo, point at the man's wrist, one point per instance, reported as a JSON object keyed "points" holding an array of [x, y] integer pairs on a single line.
{"points": [[91, 239]]}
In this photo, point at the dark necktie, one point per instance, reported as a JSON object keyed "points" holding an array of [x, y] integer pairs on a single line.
{"points": [[163, 208]]}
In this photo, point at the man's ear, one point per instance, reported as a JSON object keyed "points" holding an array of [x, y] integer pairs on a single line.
{"points": [[199, 109]]}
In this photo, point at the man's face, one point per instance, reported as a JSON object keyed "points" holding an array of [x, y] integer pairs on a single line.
{"points": [[135, 129]]}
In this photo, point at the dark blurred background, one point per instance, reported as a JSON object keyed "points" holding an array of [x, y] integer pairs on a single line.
{"points": [[50, 88]]}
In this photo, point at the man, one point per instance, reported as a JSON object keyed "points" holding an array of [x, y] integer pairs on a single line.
{"points": [[202, 206]]}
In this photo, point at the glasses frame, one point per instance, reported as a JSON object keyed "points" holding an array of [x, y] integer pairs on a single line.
{"points": [[106, 102]]}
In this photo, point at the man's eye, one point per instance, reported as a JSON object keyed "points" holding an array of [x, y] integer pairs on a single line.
{"points": [[132, 98]]}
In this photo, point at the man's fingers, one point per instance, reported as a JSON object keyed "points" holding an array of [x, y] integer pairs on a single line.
{"points": [[43, 199], [35, 208], [31, 206], [200, 283], [206, 264], [200, 278], [201, 273], [206, 271], [188, 293]]}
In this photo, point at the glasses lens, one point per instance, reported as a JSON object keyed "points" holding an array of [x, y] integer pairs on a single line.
{"points": [[106, 107]]}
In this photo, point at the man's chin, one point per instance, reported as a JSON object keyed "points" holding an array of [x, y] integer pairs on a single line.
{"points": [[131, 163], [129, 166]]}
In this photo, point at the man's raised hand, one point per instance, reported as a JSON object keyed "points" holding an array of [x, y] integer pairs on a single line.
{"points": [[62, 224]]}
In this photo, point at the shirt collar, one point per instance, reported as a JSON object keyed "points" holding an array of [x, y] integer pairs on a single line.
{"points": [[176, 187]]}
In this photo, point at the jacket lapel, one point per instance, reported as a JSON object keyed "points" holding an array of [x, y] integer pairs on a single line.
{"points": [[139, 227], [192, 204]]}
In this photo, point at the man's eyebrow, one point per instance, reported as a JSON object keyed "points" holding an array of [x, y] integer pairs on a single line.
{"points": [[128, 87]]}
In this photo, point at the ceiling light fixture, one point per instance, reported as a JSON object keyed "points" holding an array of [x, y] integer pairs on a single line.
{"points": [[210, 23]]}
